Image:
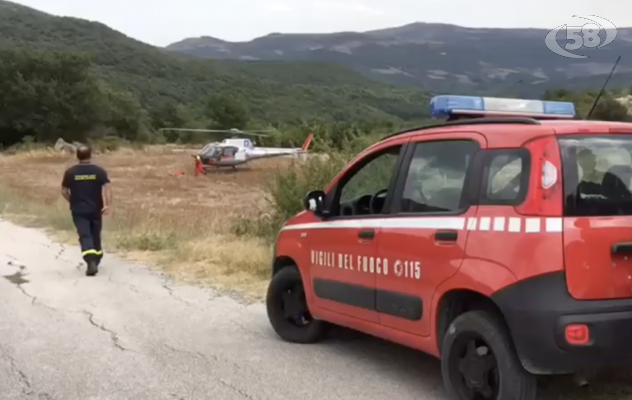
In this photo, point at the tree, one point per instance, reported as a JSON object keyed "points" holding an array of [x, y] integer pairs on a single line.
{"points": [[50, 94], [227, 112], [46, 94], [607, 109], [124, 114]]}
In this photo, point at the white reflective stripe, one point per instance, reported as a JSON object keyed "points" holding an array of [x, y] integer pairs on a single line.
{"points": [[404, 223], [471, 224], [554, 225], [515, 224], [533, 225], [481, 224]]}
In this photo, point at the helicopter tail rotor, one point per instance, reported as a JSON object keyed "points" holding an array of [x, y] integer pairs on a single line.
{"points": [[307, 142]]}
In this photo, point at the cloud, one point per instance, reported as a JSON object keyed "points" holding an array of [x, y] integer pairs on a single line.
{"points": [[347, 7], [277, 7]]}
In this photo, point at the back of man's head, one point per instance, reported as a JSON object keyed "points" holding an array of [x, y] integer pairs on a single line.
{"points": [[84, 153]]}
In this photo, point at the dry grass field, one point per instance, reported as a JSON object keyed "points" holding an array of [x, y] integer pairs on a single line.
{"points": [[179, 223]]}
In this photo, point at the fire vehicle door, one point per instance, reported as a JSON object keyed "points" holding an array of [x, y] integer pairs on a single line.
{"points": [[425, 243], [343, 249]]}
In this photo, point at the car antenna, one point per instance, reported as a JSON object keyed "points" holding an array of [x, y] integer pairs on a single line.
{"points": [[603, 88]]}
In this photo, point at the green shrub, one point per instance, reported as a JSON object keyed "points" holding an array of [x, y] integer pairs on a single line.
{"points": [[28, 143], [288, 188]]}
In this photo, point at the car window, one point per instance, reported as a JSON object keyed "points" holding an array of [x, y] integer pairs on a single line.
{"points": [[436, 176], [597, 173], [504, 177], [371, 178]]}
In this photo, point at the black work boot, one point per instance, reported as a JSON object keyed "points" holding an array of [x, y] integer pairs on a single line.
{"points": [[93, 268]]}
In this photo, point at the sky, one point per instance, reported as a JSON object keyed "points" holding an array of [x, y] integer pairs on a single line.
{"points": [[162, 22]]}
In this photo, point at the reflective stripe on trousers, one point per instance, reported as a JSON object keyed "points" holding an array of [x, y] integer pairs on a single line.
{"points": [[89, 231], [93, 252]]}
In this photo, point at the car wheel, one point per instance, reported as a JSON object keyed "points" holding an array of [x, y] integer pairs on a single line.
{"points": [[288, 311], [478, 361]]}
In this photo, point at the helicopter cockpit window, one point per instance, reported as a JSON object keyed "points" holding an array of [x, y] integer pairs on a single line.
{"points": [[208, 151]]}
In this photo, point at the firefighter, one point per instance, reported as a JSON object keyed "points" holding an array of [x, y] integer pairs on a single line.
{"points": [[86, 187], [591, 179], [587, 160]]}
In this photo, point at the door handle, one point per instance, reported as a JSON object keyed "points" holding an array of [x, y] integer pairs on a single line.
{"points": [[622, 248], [446, 236], [366, 235]]}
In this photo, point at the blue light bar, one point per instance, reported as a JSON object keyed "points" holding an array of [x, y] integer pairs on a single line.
{"points": [[473, 105]]}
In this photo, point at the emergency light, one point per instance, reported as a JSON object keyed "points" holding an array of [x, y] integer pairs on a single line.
{"points": [[448, 105]]}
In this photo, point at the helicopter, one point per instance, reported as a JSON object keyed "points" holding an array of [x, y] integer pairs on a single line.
{"points": [[235, 151]]}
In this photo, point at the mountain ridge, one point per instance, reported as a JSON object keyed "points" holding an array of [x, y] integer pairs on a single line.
{"points": [[412, 26], [434, 56]]}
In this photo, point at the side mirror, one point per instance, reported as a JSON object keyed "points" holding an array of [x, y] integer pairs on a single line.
{"points": [[314, 201]]}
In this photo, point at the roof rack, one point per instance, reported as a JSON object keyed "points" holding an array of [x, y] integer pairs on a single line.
{"points": [[470, 121]]}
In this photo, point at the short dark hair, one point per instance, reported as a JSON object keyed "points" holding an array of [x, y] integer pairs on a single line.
{"points": [[84, 152], [586, 152]]}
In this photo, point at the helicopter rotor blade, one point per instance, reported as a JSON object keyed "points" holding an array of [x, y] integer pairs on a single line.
{"points": [[225, 131], [251, 134], [187, 130], [237, 133]]}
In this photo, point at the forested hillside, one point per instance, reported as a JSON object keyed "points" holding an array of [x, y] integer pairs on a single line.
{"points": [[169, 89], [75, 79]]}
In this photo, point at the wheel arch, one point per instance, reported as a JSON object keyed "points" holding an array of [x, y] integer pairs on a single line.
{"points": [[456, 302], [281, 262], [284, 261], [470, 289]]}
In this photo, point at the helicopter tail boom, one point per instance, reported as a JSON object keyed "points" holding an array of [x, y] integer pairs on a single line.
{"points": [[282, 151]]}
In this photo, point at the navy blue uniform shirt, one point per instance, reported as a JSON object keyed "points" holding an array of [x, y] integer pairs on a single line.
{"points": [[85, 182]]}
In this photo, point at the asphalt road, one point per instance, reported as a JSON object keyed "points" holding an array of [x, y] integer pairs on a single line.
{"points": [[130, 334]]}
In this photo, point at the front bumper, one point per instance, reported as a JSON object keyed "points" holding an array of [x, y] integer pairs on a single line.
{"points": [[539, 309]]}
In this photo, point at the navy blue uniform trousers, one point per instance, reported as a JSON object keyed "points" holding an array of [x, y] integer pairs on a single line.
{"points": [[89, 231]]}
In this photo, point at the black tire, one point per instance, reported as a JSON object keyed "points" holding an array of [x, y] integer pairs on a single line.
{"points": [[288, 279], [509, 380]]}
